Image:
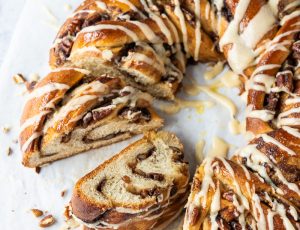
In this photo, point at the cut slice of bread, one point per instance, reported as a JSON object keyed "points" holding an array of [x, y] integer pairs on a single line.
{"points": [[66, 116], [143, 187]]}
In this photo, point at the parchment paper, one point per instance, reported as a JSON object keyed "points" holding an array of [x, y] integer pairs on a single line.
{"points": [[21, 188]]}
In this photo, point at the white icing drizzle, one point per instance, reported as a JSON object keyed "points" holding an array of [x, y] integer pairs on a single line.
{"points": [[127, 31], [274, 6], [265, 79], [231, 36], [221, 99], [206, 182], [261, 23], [292, 131], [291, 5], [219, 148], [215, 208], [144, 58], [48, 88], [265, 67], [280, 209], [255, 160], [147, 31], [289, 17], [214, 70], [264, 115], [289, 112], [30, 140], [197, 29], [292, 100], [272, 140], [33, 120], [238, 189], [261, 221], [287, 33], [178, 12], [85, 94], [293, 212], [101, 5], [164, 29]]}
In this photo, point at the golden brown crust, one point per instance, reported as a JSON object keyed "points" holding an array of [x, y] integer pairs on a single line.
{"points": [[238, 197]]}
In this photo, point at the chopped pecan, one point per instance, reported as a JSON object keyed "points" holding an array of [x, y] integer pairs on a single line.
{"points": [[100, 113], [135, 114], [228, 195], [37, 212], [272, 101], [92, 19], [285, 79], [47, 221], [86, 120]]}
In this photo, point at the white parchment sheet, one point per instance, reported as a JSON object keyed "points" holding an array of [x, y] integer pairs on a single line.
{"points": [[21, 188]]}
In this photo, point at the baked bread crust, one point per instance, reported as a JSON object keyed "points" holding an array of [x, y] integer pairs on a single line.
{"points": [[227, 194], [71, 111], [147, 205], [102, 36]]}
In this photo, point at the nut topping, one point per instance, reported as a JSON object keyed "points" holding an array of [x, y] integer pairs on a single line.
{"points": [[47, 221], [37, 212], [285, 79]]}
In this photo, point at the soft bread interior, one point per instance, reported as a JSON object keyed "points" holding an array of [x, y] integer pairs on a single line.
{"points": [[137, 179], [104, 132]]}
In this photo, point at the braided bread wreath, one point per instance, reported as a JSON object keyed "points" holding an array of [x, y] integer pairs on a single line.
{"points": [[109, 50]]}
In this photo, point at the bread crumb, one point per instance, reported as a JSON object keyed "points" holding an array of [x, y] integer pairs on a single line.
{"points": [[63, 193], [37, 212], [9, 151], [47, 221], [6, 129], [19, 78]]}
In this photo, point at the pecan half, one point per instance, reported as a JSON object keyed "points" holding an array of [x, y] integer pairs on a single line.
{"points": [[47, 221]]}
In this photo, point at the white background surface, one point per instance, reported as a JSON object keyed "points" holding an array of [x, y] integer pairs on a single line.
{"points": [[23, 189]]}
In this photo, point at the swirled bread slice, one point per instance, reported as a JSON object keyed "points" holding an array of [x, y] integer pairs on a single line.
{"points": [[142, 187], [71, 111]]}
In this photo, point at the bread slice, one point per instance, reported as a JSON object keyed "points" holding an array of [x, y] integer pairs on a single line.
{"points": [[143, 187], [69, 112]]}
